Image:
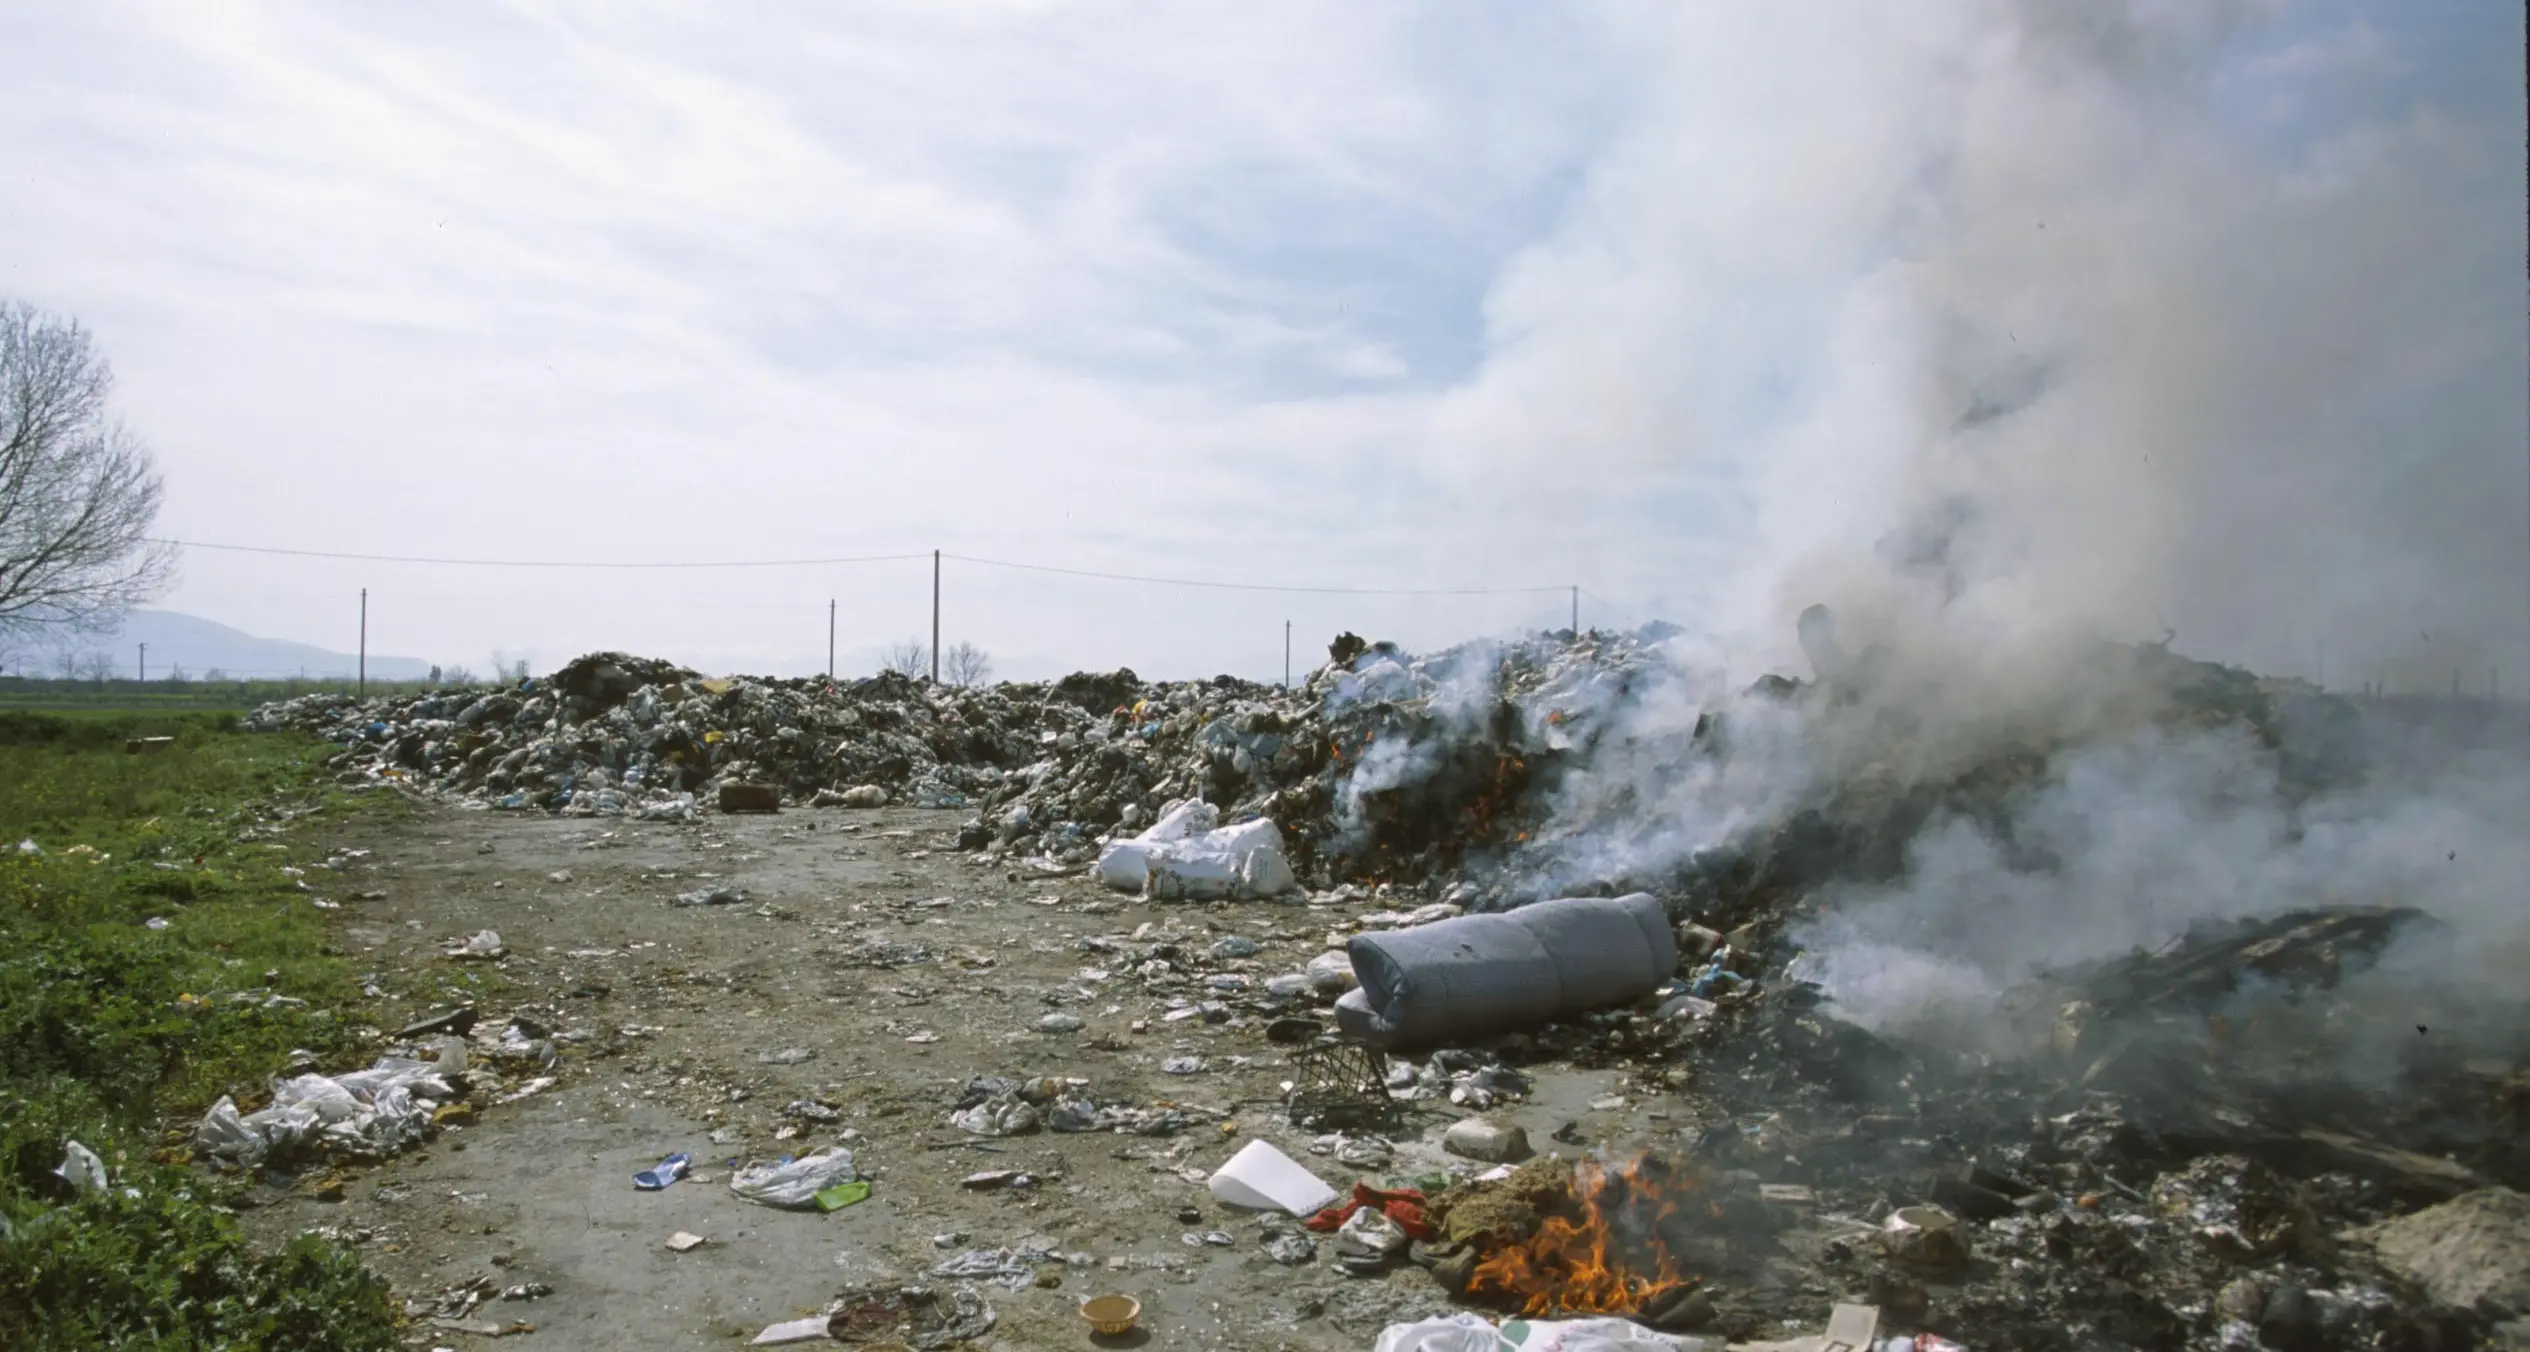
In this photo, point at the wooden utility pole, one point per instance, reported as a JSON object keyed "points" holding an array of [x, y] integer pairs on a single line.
{"points": [[830, 639], [935, 617], [1286, 654], [1576, 612], [364, 641], [144, 661]]}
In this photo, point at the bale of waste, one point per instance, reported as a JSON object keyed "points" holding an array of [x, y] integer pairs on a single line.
{"points": [[1184, 856], [1233, 863], [1125, 865], [1479, 975]]}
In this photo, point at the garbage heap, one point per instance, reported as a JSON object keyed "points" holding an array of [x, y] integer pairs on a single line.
{"points": [[612, 734], [1381, 766], [2186, 1155]]}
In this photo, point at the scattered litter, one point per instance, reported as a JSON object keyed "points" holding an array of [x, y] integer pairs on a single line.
{"points": [[663, 1173], [793, 1183], [1001, 1267], [1477, 1139], [483, 1328], [791, 1331], [1003, 1115], [459, 1021], [842, 1195], [1291, 1248], [715, 896], [918, 1316], [374, 1112], [786, 1056], [1262, 1178], [483, 946], [1464, 978], [685, 1241], [81, 1169], [1474, 1333], [992, 1179]]}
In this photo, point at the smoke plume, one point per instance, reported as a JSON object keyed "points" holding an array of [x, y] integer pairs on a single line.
{"points": [[2004, 329]]}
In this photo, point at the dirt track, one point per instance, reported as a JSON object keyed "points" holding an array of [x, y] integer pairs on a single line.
{"points": [[663, 1011]]}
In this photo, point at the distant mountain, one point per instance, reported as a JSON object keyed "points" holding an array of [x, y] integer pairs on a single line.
{"points": [[198, 645]]}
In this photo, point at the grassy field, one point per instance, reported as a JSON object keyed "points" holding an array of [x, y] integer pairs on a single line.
{"points": [[113, 1023], [114, 696]]}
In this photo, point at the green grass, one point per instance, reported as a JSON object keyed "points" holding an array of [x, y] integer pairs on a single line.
{"points": [[115, 697], [109, 1028]]}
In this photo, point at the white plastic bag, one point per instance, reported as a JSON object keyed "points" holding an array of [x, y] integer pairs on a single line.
{"points": [[794, 1185], [1470, 1333], [1233, 863], [1125, 864], [1456, 1333], [81, 1169], [224, 1134], [1370, 1233]]}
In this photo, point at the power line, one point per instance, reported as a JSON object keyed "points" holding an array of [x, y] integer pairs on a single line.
{"points": [[865, 558], [1621, 612], [1258, 586], [534, 563]]}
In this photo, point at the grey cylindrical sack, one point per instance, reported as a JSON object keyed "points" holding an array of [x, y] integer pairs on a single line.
{"points": [[1478, 975]]}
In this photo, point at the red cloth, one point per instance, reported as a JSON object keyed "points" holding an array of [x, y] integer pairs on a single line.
{"points": [[1402, 1205]]}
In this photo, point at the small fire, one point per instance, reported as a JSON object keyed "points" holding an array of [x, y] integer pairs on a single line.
{"points": [[1612, 1260]]}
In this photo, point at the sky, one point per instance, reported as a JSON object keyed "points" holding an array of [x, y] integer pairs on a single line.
{"points": [[2129, 317]]}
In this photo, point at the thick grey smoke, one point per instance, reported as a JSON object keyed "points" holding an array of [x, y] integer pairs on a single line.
{"points": [[2043, 323]]}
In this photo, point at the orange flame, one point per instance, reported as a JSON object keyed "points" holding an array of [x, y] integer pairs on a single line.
{"points": [[1610, 1261]]}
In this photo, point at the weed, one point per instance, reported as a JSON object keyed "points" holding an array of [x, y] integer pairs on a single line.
{"points": [[110, 1024]]}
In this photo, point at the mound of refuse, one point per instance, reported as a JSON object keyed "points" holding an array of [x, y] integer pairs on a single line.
{"points": [[1379, 767], [1479, 765]]}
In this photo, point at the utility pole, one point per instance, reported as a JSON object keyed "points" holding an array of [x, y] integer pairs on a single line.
{"points": [[1576, 612], [364, 640], [2323, 664], [144, 661], [830, 638], [935, 617], [1286, 654]]}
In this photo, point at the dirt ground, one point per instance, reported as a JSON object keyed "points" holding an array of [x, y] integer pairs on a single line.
{"points": [[904, 969]]}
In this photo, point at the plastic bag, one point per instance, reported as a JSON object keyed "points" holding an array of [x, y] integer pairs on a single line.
{"points": [[793, 1184], [81, 1168], [1234, 863], [1125, 864], [1471, 1333]]}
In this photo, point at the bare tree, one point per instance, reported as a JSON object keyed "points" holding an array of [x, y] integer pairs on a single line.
{"points": [[963, 663], [78, 492], [456, 674], [507, 670], [176, 674], [96, 665], [215, 676], [909, 658]]}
